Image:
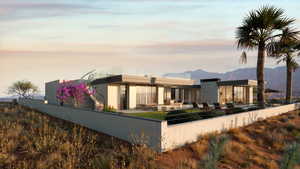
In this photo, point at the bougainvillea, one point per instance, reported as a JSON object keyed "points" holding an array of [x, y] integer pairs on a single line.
{"points": [[73, 90]]}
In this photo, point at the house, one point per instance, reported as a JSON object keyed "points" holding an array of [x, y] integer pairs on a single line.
{"points": [[133, 92]]}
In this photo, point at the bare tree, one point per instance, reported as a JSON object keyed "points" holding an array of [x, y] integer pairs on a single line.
{"points": [[24, 89]]}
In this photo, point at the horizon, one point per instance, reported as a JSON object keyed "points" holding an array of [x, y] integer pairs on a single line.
{"points": [[64, 39], [41, 88]]}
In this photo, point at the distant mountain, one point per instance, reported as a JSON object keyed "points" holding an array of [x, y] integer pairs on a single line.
{"points": [[275, 77]]}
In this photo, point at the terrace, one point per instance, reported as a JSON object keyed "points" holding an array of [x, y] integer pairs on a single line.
{"points": [[191, 114]]}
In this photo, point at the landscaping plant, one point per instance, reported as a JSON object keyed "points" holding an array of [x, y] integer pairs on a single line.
{"points": [[75, 91]]}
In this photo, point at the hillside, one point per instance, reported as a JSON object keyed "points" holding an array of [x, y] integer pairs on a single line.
{"points": [[30, 139], [275, 77]]}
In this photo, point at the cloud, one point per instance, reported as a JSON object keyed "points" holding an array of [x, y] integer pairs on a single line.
{"points": [[16, 10], [188, 47]]}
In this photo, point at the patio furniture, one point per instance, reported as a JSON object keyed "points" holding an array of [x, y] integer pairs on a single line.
{"points": [[195, 105], [206, 106], [229, 105], [217, 106]]}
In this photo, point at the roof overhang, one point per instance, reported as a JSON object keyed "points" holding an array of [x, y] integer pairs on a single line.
{"points": [[133, 79], [171, 81], [238, 83]]}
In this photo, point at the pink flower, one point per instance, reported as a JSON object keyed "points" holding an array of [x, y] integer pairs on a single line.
{"points": [[76, 91]]}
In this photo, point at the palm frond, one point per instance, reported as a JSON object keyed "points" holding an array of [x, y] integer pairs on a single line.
{"points": [[294, 64], [273, 49], [88, 73]]}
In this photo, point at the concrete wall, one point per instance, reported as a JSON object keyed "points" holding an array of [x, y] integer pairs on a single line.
{"points": [[121, 126], [50, 92], [177, 135], [101, 92], [209, 92], [159, 135], [132, 97], [160, 95]]}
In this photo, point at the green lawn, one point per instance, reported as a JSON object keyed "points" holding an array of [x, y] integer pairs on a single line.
{"points": [[152, 115]]}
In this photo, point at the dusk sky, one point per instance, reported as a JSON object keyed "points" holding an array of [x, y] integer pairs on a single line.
{"points": [[44, 40]]}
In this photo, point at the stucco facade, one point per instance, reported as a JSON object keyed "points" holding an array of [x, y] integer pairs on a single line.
{"points": [[132, 92]]}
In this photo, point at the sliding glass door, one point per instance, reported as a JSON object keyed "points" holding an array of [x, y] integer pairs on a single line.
{"points": [[146, 95], [240, 95], [226, 94], [123, 97]]}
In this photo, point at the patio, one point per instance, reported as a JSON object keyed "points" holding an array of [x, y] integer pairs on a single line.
{"points": [[179, 114]]}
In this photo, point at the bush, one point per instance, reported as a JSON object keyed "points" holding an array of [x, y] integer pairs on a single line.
{"points": [[181, 117], [216, 149], [234, 110], [291, 156], [109, 109]]}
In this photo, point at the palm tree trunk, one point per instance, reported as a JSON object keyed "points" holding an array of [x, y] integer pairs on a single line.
{"points": [[289, 79], [260, 75]]}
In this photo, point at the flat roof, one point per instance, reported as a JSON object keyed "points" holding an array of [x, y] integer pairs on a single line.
{"points": [[245, 82], [210, 80], [146, 80]]}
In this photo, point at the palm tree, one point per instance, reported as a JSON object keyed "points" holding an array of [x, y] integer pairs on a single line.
{"points": [[259, 29], [285, 50]]}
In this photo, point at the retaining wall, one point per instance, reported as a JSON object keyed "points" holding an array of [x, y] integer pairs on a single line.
{"points": [[127, 128], [177, 135], [158, 134]]}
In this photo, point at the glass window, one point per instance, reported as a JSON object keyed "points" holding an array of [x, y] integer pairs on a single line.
{"points": [[145, 95], [226, 94], [173, 93], [240, 94]]}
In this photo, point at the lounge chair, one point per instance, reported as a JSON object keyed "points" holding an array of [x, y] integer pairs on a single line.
{"points": [[229, 105], [206, 106], [217, 106], [195, 105]]}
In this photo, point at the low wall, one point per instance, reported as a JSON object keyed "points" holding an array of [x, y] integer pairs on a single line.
{"points": [[159, 135], [177, 135], [124, 127]]}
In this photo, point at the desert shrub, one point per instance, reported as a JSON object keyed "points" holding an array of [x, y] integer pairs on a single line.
{"points": [[101, 161], [291, 156], [34, 140], [186, 164], [241, 137], [215, 151]]}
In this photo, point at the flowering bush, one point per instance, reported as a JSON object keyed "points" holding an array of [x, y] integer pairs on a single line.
{"points": [[76, 91]]}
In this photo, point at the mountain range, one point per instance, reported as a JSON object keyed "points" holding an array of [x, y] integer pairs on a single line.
{"points": [[275, 77]]}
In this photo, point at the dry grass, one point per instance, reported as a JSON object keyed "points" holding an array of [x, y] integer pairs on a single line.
{"points": [[32, 140], [257, 146]]}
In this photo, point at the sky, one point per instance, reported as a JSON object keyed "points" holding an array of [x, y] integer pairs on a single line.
{"points": [[45, 40]]}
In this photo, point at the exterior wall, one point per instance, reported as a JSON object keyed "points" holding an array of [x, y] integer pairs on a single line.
{"points": [[210, 92], [50, 92], [132, 97], [50, 96], [101, 92], [113, 94], [124, 127], [180, 134], [250, 95], [160, 95]]}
